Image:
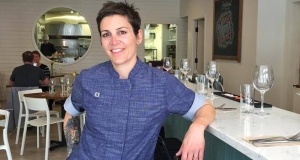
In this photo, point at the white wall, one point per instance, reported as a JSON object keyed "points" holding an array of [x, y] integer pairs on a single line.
{"points": [[234, 73], [18, 19], [291, 65], [270, 35], [270, 44]]}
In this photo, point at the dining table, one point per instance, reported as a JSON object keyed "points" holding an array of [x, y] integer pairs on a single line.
{"points": [[57, 75], [41, 85], [226, 137], [58, 98]]}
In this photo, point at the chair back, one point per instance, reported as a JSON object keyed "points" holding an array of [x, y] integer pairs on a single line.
{"points": [[161, 151], [21, 93], [36, 104], [4, 122]]}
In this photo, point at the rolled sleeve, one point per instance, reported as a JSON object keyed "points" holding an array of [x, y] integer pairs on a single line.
{"points": [[70, 108], [197, 104]]}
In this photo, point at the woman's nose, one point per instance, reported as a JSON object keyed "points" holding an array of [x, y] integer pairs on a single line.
{"points": [[114, 40]]}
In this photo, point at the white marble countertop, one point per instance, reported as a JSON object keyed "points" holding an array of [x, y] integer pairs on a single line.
{"points": [[232, 126]]}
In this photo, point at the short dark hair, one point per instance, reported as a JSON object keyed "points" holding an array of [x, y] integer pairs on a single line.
{"points": [[36, 52], [120, 8], [27, 56]]}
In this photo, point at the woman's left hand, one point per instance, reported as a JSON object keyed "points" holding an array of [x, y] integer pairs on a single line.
{"points": [[193, 144]]}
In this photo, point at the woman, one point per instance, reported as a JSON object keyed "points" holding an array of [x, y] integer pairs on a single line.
{"points": [[126, 101]]}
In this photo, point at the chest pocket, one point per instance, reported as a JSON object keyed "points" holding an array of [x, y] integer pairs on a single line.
{"points": [[98, 103]]}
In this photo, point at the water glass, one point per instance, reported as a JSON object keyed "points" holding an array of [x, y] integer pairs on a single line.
{"points": [[201, 84], [246, 98], [177, 74], [51, 86]]}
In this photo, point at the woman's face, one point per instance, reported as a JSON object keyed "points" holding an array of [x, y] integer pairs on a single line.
{"points": [[36, 58], [119, 41]]}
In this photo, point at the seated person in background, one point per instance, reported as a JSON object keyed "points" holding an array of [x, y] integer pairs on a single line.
{"points": [[36, 59], [27, 75], [47, 48], [45, 69]]}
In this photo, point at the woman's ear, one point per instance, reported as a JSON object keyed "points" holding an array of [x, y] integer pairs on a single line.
{"points": [[139, 37]]}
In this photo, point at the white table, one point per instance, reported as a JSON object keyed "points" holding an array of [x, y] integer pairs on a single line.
{"points": [[232, 126]]}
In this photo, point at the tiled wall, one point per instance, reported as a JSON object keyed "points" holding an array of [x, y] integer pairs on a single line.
{"points": [[18, 18]]}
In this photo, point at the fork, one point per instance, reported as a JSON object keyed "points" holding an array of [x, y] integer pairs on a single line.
{"points": [[279, 138]]}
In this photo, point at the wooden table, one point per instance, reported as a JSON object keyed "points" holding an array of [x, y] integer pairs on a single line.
{"points": [[57, 97], [42, 85], [57, 75]]}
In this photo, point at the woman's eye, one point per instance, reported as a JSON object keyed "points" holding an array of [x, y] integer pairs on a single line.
{"points": [[105, 34], [122, 32]]}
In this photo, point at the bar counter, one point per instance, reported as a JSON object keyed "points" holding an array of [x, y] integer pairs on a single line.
{"points": [[224, 136]]}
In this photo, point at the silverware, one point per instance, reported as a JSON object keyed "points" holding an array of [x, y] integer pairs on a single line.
{"points": [[220, 106], [226, 109], [277, 139]]}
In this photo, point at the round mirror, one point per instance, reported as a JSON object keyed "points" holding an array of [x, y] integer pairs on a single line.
{"points": [[62, 35]]}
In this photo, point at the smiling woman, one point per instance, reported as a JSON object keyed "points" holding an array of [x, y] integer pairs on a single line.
{"points": [[62, 35]]}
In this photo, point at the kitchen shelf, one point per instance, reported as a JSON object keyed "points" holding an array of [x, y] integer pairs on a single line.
{"points": [[154, 53], [150, 49]]}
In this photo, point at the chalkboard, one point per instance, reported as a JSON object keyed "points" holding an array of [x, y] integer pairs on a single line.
{"points": [[227, 29]]}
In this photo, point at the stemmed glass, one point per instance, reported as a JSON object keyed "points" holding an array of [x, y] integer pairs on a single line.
{"points": [[212, 74], [51, 85], [167, 63], [62, 84], [60, 70], [263, 80], [69, 86], [185, 68]]}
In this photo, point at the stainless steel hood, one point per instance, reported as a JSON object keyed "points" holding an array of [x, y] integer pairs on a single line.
{"points": [[65, 29], [67, 38]]}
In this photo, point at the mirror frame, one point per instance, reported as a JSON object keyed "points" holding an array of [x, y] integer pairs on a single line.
{"points": [[42, 55]]}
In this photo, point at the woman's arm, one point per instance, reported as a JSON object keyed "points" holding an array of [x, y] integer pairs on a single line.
{"points": [[72, 131]]}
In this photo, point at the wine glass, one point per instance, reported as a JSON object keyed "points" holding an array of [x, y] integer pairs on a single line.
{"points": [[167, 63], [212, 74], [185, 68], [263, 80], [62, 84], [69, 86], [52, 85], [60, 70]]}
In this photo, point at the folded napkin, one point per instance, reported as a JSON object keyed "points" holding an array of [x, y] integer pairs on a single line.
{"points": [[288, 143]]}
